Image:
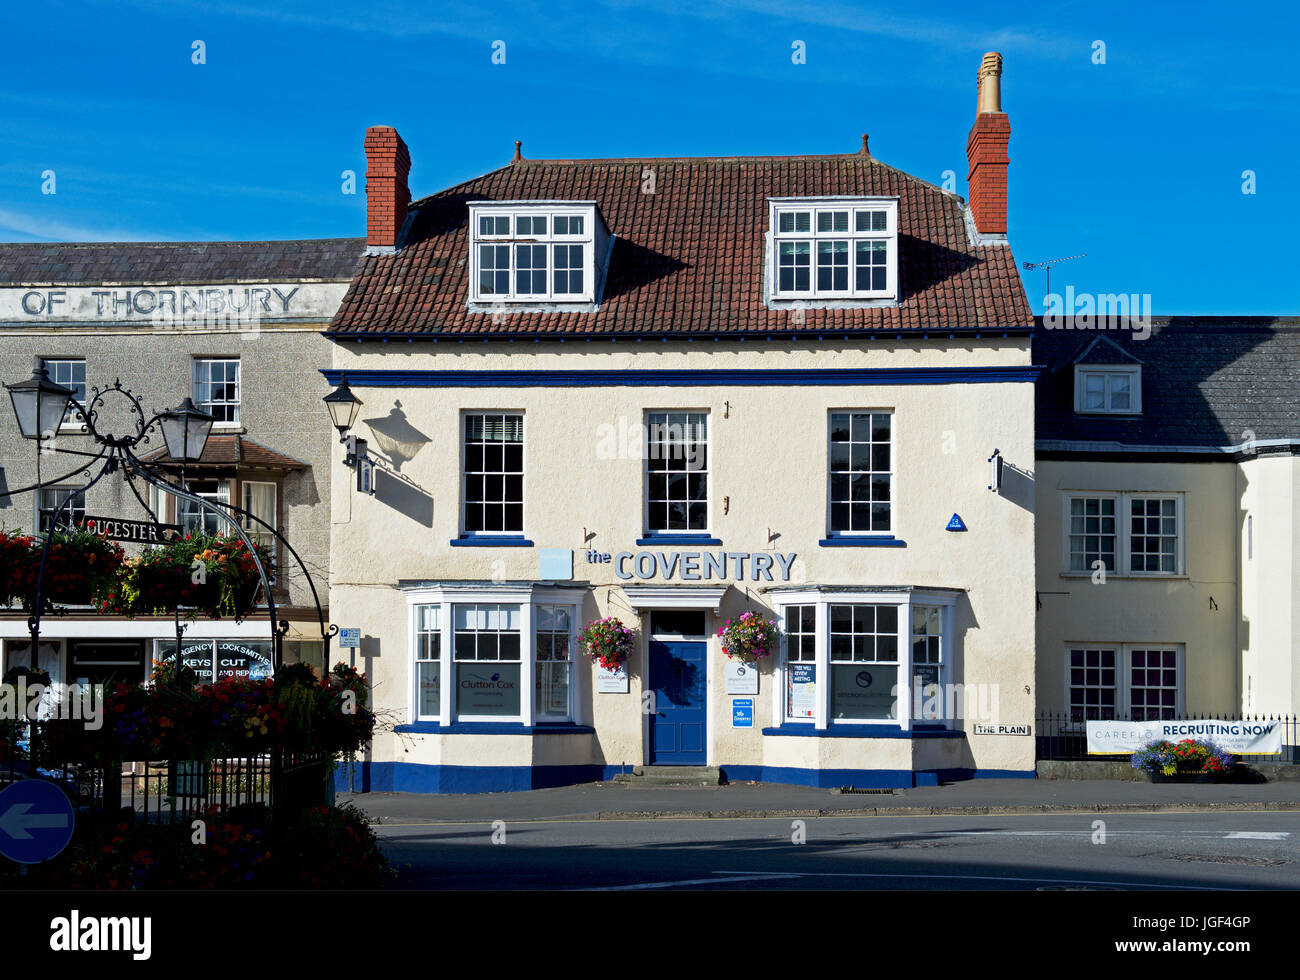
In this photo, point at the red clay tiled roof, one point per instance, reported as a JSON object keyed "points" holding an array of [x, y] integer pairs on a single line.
{"points": [[689, 258], [234, 451]]}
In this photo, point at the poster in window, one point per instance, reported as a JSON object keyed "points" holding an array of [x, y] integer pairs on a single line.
{"points": [[864, 691], [487, 688], [803, 688], [246, 660], [927, 695]]}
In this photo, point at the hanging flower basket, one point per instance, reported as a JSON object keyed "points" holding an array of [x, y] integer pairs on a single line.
{"points": [[14, 548], [748, 638], [80, 568], [607, 642], [208, 575], [1188, 761]]}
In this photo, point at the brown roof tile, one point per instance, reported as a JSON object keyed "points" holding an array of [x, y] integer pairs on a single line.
{"points": [[234, 451], [688, 259]]}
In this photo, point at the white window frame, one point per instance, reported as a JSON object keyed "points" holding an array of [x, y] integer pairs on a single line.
{"points": [[1124, 531], [816, 206], [512, 211], [220, 495], [1124, 676], [527, 597], [238, 421], [464, 501], [54, 367], [1109, 372], [706, 532], [63, 492], [893, 474], [905, 602]]}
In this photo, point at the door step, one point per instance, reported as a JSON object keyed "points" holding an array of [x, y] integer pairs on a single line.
{"points": [[671, 776]]}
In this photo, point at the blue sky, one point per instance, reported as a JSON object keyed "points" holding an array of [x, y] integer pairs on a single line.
{"points": [[1136, 162]]}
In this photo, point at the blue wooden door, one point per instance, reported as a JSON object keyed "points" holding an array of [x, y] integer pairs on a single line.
{"points": [[677, 677]]}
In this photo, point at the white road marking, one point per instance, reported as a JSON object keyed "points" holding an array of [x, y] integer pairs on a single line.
{"points": [[961, 877], [1256, 835], [735, 876]]}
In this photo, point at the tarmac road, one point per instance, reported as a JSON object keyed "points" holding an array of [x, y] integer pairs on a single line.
{"points": [[1057, 851]]}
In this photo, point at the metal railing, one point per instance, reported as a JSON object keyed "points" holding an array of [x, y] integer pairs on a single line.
{"points": [[1064, 738], [161, 790]]}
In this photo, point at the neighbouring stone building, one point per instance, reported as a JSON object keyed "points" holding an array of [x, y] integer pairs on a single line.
{"points": [[236, 327]]}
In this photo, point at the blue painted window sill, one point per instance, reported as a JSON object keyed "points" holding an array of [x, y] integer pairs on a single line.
{"points": [[851, 541], [491, 541], [677, 539], [862, 731], [492, 728]]}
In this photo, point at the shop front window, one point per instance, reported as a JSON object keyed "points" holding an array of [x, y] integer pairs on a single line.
{"points": [[864, 662], [487, 644], [502, 662], [428, 662], [801, 668], [554, 650]]}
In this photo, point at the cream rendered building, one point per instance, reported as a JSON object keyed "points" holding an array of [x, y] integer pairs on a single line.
{"points": [[671, 391], [1167, 519]]}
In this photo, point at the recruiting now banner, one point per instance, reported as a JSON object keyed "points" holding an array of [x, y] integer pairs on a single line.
{"points": [[1237, 737]]}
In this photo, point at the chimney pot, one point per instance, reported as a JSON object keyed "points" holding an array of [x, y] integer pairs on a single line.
{"points": [[518, 151], [864, 151]]}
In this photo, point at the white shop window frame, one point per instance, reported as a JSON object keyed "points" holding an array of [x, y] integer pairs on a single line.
{"points": [[526, 597], [782, 600], [1124, 676], [1124, 532]]}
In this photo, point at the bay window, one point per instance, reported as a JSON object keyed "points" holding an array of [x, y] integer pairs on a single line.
{"points": [[500, 655], [867, 659]]}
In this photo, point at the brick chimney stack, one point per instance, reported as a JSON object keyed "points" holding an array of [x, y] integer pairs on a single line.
{"points": [[388, 163], [986, 151]]}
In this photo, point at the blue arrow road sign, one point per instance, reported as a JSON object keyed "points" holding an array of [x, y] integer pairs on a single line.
{"points": [[36, 820]]}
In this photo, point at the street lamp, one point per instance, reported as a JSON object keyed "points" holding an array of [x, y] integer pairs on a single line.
{"points": [[39, 404], [343, 407], [185, 430]]}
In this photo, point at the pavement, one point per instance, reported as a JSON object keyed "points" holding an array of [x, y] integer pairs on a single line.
{"points": [[614, 801]]}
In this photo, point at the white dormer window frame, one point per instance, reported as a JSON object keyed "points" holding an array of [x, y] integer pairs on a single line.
{"points": [[538, 250], [1101, 389], [833, 248]]}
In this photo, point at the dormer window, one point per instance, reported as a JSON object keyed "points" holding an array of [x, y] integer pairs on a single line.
{"points": [[534, 252], [1108, 390], [834, 248]]}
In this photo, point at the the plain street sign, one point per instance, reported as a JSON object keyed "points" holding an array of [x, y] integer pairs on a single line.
{"points": [[36, 819], [350, 638]]}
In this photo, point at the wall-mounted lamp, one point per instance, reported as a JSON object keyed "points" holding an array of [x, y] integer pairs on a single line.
{"points": [[343, 407]]}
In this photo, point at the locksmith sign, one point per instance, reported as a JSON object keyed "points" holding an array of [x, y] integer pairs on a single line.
{"points": [[145, 305]]}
